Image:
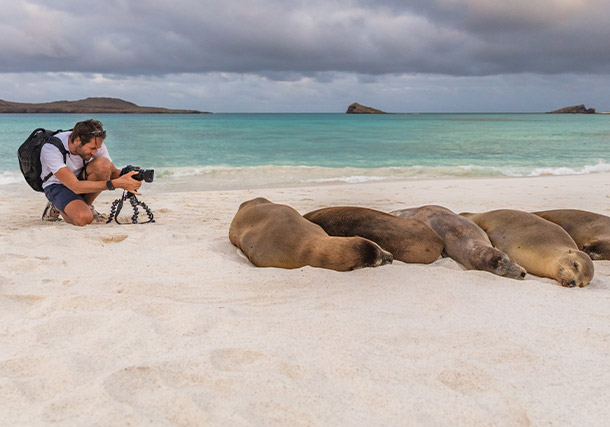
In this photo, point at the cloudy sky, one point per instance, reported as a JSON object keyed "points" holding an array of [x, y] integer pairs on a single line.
{"points": [[310, 55]]}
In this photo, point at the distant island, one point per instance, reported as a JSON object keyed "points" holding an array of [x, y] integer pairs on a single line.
{"points": [[575, 109], [88, 106], [356, 108]]}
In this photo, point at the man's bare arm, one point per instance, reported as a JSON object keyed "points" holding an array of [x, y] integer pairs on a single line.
{"points": [[125, 182]]}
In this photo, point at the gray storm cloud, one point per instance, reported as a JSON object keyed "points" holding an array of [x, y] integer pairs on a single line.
{"points": [[452, 37]]}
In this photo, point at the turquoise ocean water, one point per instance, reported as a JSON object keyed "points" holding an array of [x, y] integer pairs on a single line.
{"points": [[230, 151]]}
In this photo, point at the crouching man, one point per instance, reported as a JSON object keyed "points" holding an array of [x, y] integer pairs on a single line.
{"points": [[86, 172]]}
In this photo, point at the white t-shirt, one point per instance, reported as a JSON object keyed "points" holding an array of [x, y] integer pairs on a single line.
{"points": [[52, 160]]}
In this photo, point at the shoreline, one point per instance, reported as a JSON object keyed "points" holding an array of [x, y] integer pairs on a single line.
{"points": [[169, 323], [226, 178]]}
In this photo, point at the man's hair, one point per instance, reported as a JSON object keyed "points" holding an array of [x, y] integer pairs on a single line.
{"points": [[86, 130]]}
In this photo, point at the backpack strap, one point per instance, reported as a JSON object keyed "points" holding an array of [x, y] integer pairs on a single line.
{"points": [[60, 146]]}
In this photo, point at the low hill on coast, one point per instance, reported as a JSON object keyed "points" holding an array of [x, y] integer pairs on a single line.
{"points": [[356, 108], [574, 109], [87, 106]]}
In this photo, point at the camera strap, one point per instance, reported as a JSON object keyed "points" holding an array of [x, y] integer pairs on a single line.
{"points": [[117, 205]]}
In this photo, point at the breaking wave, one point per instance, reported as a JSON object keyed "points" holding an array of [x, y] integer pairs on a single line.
{"points": [[230, 177]]}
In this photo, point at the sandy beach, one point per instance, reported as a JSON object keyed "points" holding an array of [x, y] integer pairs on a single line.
{"points": [[169, 324]]}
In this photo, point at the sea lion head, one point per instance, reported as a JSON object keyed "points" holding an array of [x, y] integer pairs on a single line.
{"points": [[345, 253], [575, 268], [495, 261], [371, 254], [503, 266], [597, 249]]}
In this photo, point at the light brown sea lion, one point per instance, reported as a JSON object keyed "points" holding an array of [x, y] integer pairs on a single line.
{"points": [[273, 235], [541, 247], [465, 242], [408, 240], [590, 231]]}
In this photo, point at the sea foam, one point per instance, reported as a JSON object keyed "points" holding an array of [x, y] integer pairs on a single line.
{"points": [[241, 177], [11, 178], [228, 177], [599, 167]]}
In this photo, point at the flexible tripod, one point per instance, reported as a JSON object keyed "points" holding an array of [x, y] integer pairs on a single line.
{"points": [[117, 205]]}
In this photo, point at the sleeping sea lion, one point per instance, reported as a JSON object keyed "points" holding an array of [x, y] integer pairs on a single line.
{"points": [[541, 247], [273, 235], [408, 240], [590, 231], [465, 242]]}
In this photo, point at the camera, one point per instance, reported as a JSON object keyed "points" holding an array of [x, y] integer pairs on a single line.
{"points": [[145, 175]]}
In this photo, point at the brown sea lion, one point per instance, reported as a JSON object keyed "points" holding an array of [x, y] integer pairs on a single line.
{"points": [[408, 240], [465, 242], [590, 231], [541, 247], [273, 235]]}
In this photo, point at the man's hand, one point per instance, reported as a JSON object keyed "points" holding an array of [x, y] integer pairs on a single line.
{"points": [[126, 182]]}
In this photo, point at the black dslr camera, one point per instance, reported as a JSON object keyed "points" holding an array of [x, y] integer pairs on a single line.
{"points": [[145, 175]]}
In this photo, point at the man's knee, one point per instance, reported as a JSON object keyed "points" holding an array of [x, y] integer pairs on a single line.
{"points": [[82, 218], [99, 169], [78, 213]]}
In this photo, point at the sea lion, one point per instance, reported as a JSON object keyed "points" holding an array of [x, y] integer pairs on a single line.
{"points": [[541, 247], [408, 240], [590, 231], [273, 235], [464, 241]]}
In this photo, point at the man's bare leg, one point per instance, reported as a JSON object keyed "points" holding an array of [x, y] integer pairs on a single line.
{"points": [[99, 169], [78, 213]]}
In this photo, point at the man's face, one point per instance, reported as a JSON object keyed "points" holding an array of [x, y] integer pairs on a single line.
{"points": [[87, 151]]}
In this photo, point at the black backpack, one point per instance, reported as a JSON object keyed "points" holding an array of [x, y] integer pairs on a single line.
{"points": [[29, 155]]}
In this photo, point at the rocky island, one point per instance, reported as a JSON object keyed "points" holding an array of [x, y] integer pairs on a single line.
{"points": [[356, 108], [575, 109], [88, 106]]}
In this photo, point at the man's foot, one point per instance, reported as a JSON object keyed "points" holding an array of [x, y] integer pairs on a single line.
{"points": [[51, 213], [98, 218]]}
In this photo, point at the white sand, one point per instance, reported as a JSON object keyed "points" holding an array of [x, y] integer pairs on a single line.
{"points": [[167, 324]]}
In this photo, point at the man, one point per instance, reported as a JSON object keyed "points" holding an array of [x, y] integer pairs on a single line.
{"points": [[87, 171]]}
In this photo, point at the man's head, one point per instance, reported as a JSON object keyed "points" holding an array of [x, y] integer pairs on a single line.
{"points": [[86, 130], [87, 138]]}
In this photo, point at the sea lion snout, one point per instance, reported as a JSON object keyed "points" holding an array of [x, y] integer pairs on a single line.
{"points": [[572, 284], [386, 258]]}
